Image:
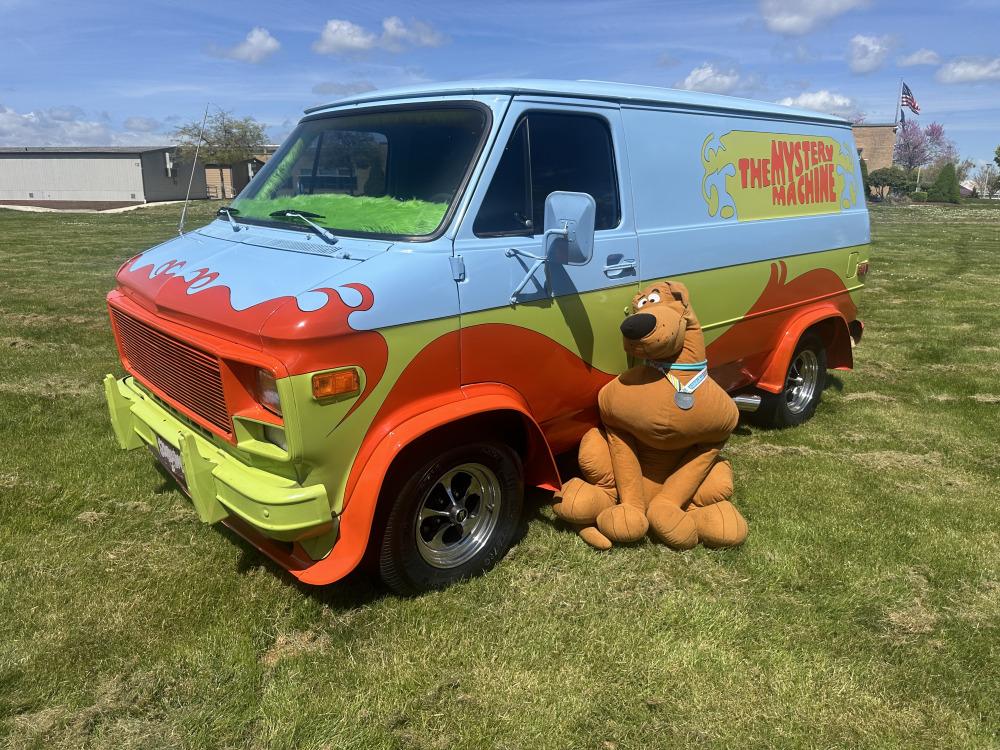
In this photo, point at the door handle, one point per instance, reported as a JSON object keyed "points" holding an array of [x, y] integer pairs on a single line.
{"points": [[614, 270]]}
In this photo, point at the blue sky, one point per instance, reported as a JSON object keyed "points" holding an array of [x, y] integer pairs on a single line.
{"points": [[127, 72]]}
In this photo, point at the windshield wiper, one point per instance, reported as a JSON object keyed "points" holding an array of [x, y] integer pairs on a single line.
{"points": [[228, 212], [307, 217]]}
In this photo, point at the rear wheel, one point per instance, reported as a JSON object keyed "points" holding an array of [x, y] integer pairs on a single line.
{"points": [[452, 518], [804, 383]]}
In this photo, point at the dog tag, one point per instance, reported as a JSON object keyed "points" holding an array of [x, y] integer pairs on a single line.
{"points": [[684, 400]]}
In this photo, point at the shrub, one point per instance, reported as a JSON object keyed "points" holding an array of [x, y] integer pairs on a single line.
{"points": [[886, 180], [945, 187], [919, 196], [864, 178]]}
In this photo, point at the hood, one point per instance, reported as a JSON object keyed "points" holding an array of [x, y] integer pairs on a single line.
{"points": [[230, 283]]}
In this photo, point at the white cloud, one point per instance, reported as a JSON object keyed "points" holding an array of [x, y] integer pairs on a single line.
{"points": [[970, 70], [802, 16], [66, 113], [823, 101], [258, 46], [141, 124], [341, 37], [867, 53], [711, 79], [920, 57], [396, 34], [65, 126], [343, 88]]}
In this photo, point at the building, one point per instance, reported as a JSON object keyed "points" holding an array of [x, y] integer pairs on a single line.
{"points": [[94, 177], [224, 181], [876, 144]]}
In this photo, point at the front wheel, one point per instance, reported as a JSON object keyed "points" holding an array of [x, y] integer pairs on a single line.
{"points": [[452, 519], [804, 383]]}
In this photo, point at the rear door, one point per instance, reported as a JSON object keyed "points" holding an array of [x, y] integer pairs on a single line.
{"points": [[557, 342]]}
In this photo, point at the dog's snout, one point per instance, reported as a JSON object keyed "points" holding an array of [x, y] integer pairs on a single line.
{"points": [[638, 326]]}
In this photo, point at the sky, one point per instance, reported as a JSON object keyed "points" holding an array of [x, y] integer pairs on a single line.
{"points": [[128, 72]]}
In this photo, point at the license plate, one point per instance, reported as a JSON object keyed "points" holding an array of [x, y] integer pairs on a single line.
{"points": [[170, 458]]}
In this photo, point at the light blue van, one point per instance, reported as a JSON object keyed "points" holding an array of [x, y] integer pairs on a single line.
{"points": [[409, 311]]}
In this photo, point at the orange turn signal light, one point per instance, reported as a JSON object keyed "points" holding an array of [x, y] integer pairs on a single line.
{"points": [[336, 383]]}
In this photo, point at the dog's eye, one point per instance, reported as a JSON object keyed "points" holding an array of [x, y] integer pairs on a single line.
{"points": [[653, 298], [641, 302]]}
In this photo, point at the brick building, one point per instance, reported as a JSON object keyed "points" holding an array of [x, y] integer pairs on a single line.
{"points": [[875, 144]]}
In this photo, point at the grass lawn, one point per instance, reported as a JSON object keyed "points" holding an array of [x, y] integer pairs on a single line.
{"points": [[864, 609]]}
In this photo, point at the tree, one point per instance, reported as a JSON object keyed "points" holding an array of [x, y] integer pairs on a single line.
{"points": [[996, 156], [227, 139], [920, 148], [963, 169], [864, 177], [985, 177], [887, 179], [945, 188], [911, 149], [994, 187], [940, 148]]}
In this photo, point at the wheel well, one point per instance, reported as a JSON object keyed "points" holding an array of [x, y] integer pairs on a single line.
{"points": [[836, 338], [506, 426]]}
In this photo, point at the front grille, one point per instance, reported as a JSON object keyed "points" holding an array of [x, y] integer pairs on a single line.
{"points": [[184, 374]]}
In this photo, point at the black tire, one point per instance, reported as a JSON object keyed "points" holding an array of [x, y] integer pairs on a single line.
{"points": [[459, 536], [794, 405]]}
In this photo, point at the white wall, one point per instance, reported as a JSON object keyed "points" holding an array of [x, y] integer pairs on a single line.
{"points": [[71, 177]]}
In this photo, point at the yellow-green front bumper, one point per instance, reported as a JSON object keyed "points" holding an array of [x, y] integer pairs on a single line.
{"points": [[219, 484]]}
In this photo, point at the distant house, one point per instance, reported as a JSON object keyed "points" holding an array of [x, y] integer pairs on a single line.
{"points": [[968, 189], [876, 143], [225, 181], [94, 177]]}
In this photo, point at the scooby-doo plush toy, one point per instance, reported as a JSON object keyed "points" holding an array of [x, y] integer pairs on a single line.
{"points": [[655, 462]]}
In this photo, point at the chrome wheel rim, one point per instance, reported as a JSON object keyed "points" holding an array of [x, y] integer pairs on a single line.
{"points": [[800, 385], [458, 515]]}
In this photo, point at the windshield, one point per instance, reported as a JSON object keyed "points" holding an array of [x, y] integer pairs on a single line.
{"points": [[394, 172]]}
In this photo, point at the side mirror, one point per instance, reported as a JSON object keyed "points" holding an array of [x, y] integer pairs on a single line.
{"points": [[569, 227]]}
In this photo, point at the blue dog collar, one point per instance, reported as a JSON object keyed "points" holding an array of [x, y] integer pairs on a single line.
{"points": [[689, 366]]}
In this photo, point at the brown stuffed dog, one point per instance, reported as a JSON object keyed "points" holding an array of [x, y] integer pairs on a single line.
{"points": [[655, 462]]}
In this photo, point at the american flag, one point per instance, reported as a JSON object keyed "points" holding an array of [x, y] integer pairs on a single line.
{"points": [[907, 100]]}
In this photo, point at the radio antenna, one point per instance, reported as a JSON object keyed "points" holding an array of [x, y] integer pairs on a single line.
{"points": [[194, 165]]}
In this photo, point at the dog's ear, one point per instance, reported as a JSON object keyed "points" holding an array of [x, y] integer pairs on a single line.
{"points": [[679, 292]]}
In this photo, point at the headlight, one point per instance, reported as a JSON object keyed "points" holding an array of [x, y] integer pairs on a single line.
{"points": [[267, 392]]}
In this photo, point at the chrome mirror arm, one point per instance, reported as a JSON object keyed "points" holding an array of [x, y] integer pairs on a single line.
{"points": [[540, 260]]}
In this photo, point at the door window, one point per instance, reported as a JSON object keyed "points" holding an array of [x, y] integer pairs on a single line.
{"points": [[549, 152]]}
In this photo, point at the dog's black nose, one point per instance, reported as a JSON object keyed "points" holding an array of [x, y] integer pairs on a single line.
{"points": [[638, 326]]}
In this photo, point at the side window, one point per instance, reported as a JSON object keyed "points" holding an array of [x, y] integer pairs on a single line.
{"points": [[573, 152], [507, 206], [549, 152]]}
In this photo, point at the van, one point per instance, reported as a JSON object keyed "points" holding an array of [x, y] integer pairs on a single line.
{"points": [[409, 311]]}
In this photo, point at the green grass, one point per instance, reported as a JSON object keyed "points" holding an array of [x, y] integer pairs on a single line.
{"points": [[862, 611], [382, 215]]}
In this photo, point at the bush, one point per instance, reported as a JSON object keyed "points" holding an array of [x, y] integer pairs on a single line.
{"points": [[887, 180], [919, 196], [945, 188], [864, 178]]}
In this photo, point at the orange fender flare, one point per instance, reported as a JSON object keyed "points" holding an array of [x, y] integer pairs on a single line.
{"points": [[359, 507], [836, 335]]}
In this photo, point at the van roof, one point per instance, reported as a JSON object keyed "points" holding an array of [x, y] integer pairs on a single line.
{"points": [[604, 90]]}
